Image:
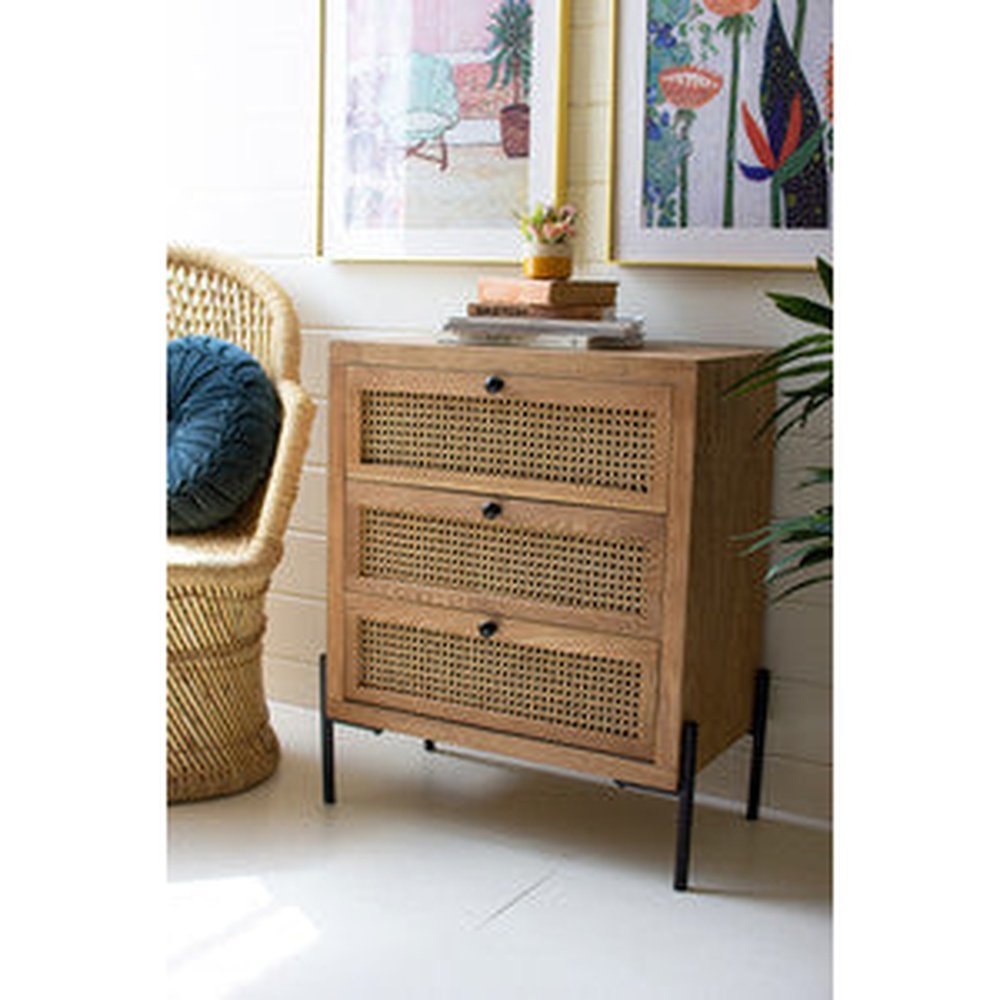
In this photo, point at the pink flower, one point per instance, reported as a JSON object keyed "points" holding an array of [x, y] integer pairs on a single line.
{"points": [[727, 8], [549, 224], [689, 87]]}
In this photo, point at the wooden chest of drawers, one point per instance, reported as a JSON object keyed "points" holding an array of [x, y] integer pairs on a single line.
{"points": [[536, 552]]}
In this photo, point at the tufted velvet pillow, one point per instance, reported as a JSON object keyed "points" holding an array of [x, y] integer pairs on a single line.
{"points": [[223, 417]]}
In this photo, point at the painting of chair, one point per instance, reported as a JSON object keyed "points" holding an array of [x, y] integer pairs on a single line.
{"points": [[431, 108]]}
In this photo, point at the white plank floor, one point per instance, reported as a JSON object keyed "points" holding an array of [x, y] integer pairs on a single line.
{"points": [[454, 876]]}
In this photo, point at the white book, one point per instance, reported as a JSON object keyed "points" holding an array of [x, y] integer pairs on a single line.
{"points": [[530, 327], [573, 341]]}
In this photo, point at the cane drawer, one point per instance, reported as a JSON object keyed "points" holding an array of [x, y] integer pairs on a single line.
{"points": [[595, 443], [578, 566], [577, 688]]}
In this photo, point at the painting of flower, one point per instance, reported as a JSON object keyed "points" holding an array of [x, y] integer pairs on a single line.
{"points": [[687, 88], [737, 120]]}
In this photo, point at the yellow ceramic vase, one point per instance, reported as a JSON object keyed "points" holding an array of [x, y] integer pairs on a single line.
{"points": [[548, 260]]}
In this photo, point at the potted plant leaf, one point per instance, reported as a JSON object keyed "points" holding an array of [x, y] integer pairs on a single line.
{"points": [[803, 374], [510, 61]]}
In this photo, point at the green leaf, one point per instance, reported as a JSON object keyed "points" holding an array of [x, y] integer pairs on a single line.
{"points": [[820, 554], [799, 159], [815, 528], [807, 310], [801, 543], [795, 368], [800, 420], [496, 64], [824, 340], [808, 401], [826, 276], [802, 558], [761, 543], [769, 369], [812, 581], [774, 362], [820, 476], [813, 368]]}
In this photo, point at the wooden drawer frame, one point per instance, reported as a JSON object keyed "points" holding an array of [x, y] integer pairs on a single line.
{"points": [[561, 522], [460, 385], [574, 646]]}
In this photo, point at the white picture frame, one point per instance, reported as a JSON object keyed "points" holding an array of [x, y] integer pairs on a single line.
{"points": [[404, 183], [746, 240]]}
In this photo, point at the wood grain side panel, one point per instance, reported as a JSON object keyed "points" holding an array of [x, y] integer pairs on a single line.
{"points": [[677, 548], [725, 590]]}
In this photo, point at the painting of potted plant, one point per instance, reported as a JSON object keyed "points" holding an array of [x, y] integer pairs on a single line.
{"points": [[509, 50]]}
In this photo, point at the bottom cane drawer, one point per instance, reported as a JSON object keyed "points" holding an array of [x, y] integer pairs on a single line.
{"points": [[562, 685]]}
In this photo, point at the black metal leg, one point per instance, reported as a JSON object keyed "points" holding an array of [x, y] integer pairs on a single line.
{"points": [[326, 735], [430, 746], [762, 684], [685, 807]]}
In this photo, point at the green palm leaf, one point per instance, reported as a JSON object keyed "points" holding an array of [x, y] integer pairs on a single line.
{"points": [[826, 276], [804, 309], [803, 371]]}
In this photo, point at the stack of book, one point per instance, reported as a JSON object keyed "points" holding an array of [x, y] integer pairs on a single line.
{"points": [[531, 312]]}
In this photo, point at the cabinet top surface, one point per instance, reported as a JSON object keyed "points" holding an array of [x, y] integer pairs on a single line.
{"points": [[425, 350]]}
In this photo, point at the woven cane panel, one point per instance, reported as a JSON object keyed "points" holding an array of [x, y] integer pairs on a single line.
{"points": [[579, 444], [204, 301], [592, 694], [571, 570]]}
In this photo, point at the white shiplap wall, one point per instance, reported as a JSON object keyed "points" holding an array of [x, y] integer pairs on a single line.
{"points": [[243, 158]]}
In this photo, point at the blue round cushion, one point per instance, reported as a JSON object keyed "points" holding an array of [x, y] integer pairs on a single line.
{"points": [[223, 417]]}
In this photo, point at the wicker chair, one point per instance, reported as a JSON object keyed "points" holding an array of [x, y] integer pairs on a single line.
{"points": [[219, 736]]}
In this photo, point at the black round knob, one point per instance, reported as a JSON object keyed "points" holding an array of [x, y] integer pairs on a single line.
{"points": [[493, 384], [491, 509], [488, 629]]}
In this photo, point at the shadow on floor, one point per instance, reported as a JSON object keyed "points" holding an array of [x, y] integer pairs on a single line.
{"points": [[389, 782]]}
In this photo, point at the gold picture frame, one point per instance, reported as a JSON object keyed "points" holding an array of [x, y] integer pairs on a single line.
{"points": [[632, 239], [414, 165]]}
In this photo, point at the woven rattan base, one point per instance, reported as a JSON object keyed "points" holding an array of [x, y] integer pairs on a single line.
{"points": [[219, 738], [209, 772]]}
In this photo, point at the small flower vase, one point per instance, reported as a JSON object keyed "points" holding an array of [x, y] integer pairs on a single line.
{"points": [[548, 260]]}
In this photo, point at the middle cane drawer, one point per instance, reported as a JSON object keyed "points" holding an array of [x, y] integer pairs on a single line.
{"points": [[578, 566]]}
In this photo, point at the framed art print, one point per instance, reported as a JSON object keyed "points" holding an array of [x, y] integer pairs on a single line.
{"points": [[443, 119], [722, 132]]}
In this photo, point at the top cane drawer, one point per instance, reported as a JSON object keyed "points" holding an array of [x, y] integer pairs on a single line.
{"points": [[559, 439]]}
